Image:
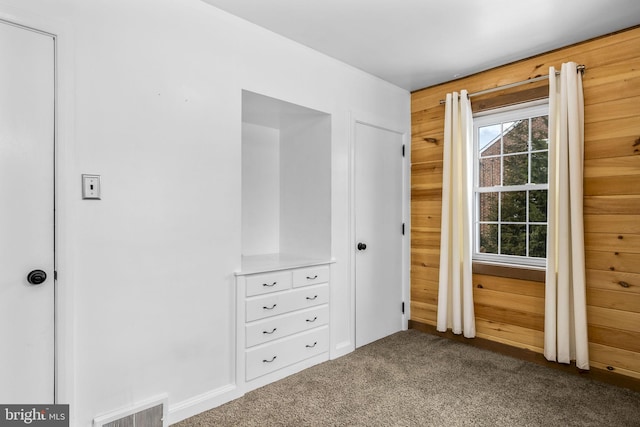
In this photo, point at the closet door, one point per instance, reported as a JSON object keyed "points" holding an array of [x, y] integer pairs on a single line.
{"points": [[378, 224], [26, 216]]}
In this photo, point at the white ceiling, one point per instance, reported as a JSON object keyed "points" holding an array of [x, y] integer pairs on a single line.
{"points": [[418, 43]]}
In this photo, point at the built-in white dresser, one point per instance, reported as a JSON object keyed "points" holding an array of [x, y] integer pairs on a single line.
{"points": [[283, 318]]}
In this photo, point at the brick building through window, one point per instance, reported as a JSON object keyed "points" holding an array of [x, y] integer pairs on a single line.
{"points": [[511, 186]]}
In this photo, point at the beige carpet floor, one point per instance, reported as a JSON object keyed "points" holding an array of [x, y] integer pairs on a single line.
{"points": [[416, 379]]}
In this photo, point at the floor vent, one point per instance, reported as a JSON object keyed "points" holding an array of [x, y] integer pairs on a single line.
{"points": [[152, 413]]}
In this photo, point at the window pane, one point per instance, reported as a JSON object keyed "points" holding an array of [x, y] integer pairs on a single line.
{"points": [[489, 172], [514, 206], [539, 167], [513, 239], [489, 140], [516, 137], [516, 169], [539, 133], [489, 238], [511, 179], [538, 241], [488, 207], [538, 206]]}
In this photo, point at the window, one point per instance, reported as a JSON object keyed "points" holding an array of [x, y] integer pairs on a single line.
{"points": [[510, 185]]}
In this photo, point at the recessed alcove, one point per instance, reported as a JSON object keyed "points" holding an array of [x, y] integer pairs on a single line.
{"points": [[286, 183]]}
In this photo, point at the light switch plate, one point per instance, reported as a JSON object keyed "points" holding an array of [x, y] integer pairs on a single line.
{"points": [[91, 187]]}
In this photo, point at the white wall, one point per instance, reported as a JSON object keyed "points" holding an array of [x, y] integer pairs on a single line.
{"points": [[147, 272], [305, 205], [260, 189]]}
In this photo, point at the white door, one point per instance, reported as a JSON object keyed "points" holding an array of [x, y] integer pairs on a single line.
{"points": [[378, 225], [26, 216]]}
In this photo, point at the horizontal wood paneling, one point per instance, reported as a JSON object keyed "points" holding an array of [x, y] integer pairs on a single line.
{"points": [[502, 284], [616, 319], [522, 319], [425, 257], [617, 205], [612, 147], [495, 270], [613, 110], [609, 186], [422, 151], [423, 312], [615, 357], [611, 83], [617, 49], [426, 223], [617, 300], [426, 274], [425, 239], [614, 242], [605, 223], [499, 99], [617, 338], [615, 166], [613, 280], [511, 311], [507, 300], [612, 261], [615, 370], [510, 334]]}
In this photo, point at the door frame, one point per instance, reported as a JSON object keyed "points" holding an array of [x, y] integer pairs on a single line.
{"points": [[384, 124], [64, 169]]}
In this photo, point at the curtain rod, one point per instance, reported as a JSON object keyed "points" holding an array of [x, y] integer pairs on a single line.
{"points": [[580, 68]]}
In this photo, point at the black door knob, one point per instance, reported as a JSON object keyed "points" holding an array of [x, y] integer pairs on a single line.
{"points": [[362, 246], [36, 277]]}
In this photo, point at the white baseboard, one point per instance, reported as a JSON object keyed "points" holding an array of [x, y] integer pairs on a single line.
{"points": [[198, 404], [342, 349], [285, 372], [137, 407]]}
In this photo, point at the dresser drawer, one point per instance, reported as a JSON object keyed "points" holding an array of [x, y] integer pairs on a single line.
{"points": [[270, 357], [269, 305], [269, 282], [310, 275], [287, 324]]}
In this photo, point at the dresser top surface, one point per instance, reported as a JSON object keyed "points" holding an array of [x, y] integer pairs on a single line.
{"points": [[273, 262]]}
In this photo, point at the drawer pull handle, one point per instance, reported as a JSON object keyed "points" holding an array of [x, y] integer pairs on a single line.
{"points": [[312, 320], [311, 346], [269, 308], [311, 278], [269, 361], [312, 298], [269, 285], [269, 333]]}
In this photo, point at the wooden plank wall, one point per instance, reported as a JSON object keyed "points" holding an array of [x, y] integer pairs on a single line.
{"points": [[511, 311]]}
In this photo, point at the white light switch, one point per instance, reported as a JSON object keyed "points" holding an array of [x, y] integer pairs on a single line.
{"points": [[91, 187]]}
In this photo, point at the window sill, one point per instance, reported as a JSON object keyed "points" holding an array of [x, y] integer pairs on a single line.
{"points": [[534, 274]]}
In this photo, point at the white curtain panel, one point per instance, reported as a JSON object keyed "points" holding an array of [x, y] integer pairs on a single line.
{"points": [[565, 331], [455, 295]]}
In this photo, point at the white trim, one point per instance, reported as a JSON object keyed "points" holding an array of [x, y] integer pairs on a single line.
{"points": [[201, 403], [502, 115], [107, 418], [341, 349], [406, 218], [64, 169], [510, 260]]}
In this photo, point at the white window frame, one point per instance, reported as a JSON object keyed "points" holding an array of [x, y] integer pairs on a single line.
{"points": [[487, 118]]}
